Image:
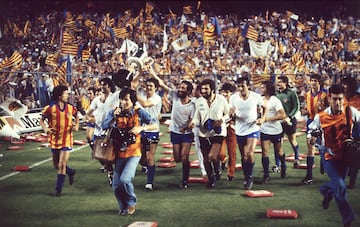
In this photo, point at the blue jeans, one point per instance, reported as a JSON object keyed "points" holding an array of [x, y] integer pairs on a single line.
{"points": [[125, 169], [337, 171]]}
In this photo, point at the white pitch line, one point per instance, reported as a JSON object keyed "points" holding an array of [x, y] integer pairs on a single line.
{"points": [[38, 163]]}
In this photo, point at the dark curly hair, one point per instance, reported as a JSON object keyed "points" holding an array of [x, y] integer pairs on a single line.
{"points": [[57, 92]]}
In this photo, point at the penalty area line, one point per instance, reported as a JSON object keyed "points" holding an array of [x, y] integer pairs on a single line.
{"points": [[37, 164]]}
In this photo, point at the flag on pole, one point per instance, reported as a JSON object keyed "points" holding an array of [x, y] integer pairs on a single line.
{"points": [[165, 41]]}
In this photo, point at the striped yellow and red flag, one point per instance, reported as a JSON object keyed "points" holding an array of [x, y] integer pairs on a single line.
{"points": [[149, 8], [300, 26], [341, 65], [69, 49], [353, 46], [284, 67], [61, 71], [230, 31], [317, 55], [296, 58], [85, 54], [17, 31], [14, 60], [171, 15], [51, 60], [321, 33], [120, 32], [26, 28], [258, 79], [71, 25], [188, 10], [85, 102], [55, 80], [209, 31], [89, 23], [68, 37], [196, 29], [252, 33]]}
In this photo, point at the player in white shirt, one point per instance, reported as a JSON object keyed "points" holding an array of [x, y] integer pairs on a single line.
{"points": [[182, 113], [99, 108], [271, 129], [151, 102], [211, 114], [244, 107]]}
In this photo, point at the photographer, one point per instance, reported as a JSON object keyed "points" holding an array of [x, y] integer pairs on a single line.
{"points": [[352, 98], [130, 121], [333, 122]]}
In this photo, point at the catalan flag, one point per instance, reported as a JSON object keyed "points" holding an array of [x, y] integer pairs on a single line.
{"points": [[61, 71], [85, 54], [17, 31], [250, 32], [68, 37], [149, 7], [64, 72], [71, 25], [14, 60], [300, 26], [341, 65], [26, 28], [321, 33], [284, 67], [353, 46], [187, 10], [209, 33], [51, 60], [171, 15], [69, 49], [89, 23]]}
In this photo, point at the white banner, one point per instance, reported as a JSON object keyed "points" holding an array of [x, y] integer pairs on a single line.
{"points": [[260, 49], [181, 43]]}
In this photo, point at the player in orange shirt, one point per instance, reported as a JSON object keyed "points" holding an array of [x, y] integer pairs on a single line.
{"points": [[352, 98], [62, 119]]}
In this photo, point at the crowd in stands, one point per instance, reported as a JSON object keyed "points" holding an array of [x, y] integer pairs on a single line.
{"points": [[41, 50]]}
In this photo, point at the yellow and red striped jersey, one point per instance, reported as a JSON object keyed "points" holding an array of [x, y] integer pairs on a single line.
{"points": [[315, 103], [62, 121]]}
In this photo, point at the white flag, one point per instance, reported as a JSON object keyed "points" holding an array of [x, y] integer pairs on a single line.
{"points": [[165, 41], [129, 47], [181, 43]]}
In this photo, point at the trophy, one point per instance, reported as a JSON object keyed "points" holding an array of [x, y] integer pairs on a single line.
{"points": [[135, 64]]}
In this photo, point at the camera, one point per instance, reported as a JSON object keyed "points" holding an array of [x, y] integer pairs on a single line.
{"points": [[129, 139], [349, 145], [125, 114], [122, 138], [316, 132]]}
